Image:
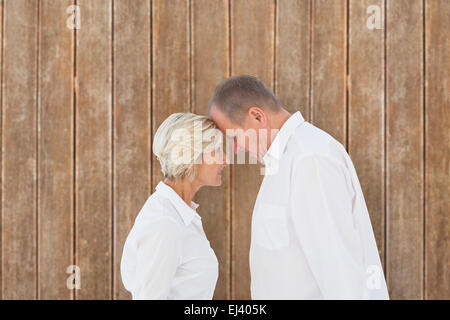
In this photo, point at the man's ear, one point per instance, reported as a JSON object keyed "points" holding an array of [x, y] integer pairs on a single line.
{"points": [[258, 115]]}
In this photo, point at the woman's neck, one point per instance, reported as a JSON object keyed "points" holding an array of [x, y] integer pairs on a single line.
{"points": [[185, 189]]}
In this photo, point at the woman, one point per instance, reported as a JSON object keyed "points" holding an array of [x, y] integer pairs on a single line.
{"points": [[166, 254]]}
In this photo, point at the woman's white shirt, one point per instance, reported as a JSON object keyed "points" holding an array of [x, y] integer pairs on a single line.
{"points": [[166, 254]]}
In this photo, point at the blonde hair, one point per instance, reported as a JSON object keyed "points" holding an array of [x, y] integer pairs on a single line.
{"points": [[196, 132]]}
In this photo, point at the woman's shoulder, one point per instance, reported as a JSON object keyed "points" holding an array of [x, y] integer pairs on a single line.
{"points": [[154, 223], [158, 212]]}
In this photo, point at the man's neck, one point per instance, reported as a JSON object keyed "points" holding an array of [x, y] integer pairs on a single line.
{"points": [[276, 122]]}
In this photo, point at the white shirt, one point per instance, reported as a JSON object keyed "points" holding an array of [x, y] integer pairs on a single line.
{"points": [[311, 231], [166, 254]]}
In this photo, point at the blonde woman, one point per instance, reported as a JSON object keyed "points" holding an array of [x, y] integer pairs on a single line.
{"points": [[166, 254]]}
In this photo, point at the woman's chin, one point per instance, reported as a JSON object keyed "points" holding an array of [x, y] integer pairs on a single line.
{"points": [[218, 181]]}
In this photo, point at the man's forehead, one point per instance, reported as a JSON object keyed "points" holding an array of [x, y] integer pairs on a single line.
{"points": [[220, 119], [215, 113]]}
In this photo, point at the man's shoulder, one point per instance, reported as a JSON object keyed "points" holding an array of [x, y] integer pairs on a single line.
{"points": [[309, 140]]}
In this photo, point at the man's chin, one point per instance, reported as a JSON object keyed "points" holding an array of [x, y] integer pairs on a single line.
{"points": [[259, 158]]}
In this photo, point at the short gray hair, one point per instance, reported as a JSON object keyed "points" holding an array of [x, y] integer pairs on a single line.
{"points": [[233, 96]]}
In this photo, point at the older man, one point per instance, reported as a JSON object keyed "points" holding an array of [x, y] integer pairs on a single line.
{"points": [[311, 231]]}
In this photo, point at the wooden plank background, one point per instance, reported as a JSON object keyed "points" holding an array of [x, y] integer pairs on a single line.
{"points": [[79, 108]]}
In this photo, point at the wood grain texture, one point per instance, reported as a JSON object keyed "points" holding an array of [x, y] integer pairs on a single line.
{"points": [[292, 68], [366, 111], [19, 155], [76, 143], [171, 64], [252, 53], [437, 122], [210, 65], [132, 122], [94, 149], [1, 143], [404, 265], [56, 150], [328, 78]]}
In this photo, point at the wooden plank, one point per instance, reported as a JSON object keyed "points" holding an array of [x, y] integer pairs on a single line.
{"points": [[18, 227], [210, 64], [55, 184], [172, 88], [437, 253], [131, 146], [93, 150], [250, 38], [404, 262], [293, 31], [1, 144], [328, 73], [366, 110], [171, 56]]}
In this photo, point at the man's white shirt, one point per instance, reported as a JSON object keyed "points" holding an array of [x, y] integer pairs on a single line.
{"points": [[166, 254], [311, 232]]}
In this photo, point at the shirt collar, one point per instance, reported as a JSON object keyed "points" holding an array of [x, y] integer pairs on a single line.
{"points": [[278, 145], [187, 213]]}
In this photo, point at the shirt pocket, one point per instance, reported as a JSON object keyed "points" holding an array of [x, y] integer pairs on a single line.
{"points": [[271, 229]]}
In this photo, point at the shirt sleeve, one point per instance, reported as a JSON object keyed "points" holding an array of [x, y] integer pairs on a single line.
{"points": [[321, 204], [158, 257]]}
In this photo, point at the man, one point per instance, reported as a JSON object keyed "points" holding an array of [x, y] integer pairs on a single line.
{"points": [[311, 231]]}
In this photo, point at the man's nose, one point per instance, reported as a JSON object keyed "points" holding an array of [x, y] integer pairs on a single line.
{"points": [[236, 148], [225, 160]]}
